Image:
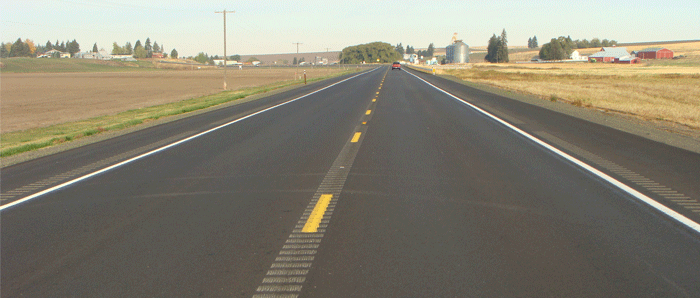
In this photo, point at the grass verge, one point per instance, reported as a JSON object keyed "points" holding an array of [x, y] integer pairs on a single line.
{"points": [[27, 140]]}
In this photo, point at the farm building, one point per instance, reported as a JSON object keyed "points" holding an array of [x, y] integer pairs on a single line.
{"points": [[628, 60], [655, 53], [609, 54], [457, 52]]}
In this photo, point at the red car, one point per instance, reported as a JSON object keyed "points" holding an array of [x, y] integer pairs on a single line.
{"points": [[396, 65]]}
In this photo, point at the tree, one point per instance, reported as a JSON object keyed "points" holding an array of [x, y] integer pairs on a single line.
{"points": [[534, 42], [19, 49], [430, 51], [529, 43], [252, 59], [94, 48], [492, 49], [595, 43], [31, 46], [73, 47], [173, 54], [294, 61], [235, 57], [4, 53], [140, 52], [372, 52], [503, 47], [48, 46], [410, 50], [116, 49], [156, 47], [201, 58], [554, 50], [137, 44], [148, 47], [399, 48], [128, 50]]}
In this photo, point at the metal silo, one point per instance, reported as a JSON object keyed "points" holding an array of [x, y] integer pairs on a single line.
{"points": [[457, 52]]}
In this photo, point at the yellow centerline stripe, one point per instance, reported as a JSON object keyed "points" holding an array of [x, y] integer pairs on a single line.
{"points": [[316, 215], [356, 137], [368, 112]]}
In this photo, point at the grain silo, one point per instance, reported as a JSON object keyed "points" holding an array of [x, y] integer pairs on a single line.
{"points": [[457, 52]]}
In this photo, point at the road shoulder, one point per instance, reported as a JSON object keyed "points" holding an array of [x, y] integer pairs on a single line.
{"points": [[660, 131]]}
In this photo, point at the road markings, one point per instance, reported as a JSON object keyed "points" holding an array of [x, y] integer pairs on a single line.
{"points": [[316, 215], [288, 272], [356, 137], [374, 99], [368, 112], [166, 147], [633, 192]]}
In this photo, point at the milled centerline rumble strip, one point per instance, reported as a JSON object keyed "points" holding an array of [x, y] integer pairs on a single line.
{"points": [[640, 196], [76, 180], [297, 254]]}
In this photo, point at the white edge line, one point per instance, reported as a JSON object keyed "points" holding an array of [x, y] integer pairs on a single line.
{"points": [[649, 201], [81, 178]]}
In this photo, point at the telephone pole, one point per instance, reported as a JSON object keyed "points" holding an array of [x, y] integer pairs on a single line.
{"points": [[225, 63], [297, 43]]}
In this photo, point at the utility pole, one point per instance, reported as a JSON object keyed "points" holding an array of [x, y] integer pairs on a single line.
{"points": [[297, 43], [295, 73], [225, 63], [327, 49]]}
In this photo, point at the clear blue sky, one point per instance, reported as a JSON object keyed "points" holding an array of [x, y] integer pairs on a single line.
{"points": [[268, 27]]}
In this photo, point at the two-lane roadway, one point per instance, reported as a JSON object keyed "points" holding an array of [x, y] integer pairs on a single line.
{"points": [[370, 185]]}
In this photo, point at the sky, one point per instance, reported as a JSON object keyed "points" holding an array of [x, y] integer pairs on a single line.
{"points": [[273, 27]]}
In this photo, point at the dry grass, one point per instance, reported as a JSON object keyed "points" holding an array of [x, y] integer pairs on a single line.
{"points": [[669, 93]]}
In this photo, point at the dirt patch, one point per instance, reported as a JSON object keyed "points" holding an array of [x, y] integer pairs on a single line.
{"points": [[31, 100]]}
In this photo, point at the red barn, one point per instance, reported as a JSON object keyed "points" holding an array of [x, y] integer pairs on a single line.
{"points": [[655, 53]]}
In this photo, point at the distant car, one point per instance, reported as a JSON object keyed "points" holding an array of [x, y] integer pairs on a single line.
{"points": [[396, 65]]}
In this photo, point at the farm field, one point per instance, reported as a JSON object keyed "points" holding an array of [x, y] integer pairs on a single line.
{"points": [[655, 90], [31, 100]]}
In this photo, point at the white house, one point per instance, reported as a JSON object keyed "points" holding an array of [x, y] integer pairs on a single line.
{"points": [[575, 55]]}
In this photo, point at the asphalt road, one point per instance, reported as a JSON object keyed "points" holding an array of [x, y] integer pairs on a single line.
{"points": [[377, 186]]}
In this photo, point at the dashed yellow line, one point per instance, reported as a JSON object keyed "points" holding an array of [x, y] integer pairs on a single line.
{"points": [[316, 215], [368, 112], [356, 137], [374, 99]]}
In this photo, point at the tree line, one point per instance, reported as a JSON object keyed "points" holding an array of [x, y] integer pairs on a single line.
{"points": [[428, 53], [28, 48], [139, 50], [561, 48]]}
